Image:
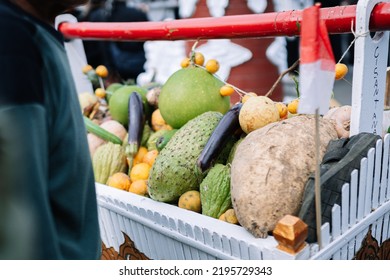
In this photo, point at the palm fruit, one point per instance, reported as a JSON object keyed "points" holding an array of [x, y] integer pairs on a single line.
{"points": [[175, 170], [215, 191], [108, 159]]}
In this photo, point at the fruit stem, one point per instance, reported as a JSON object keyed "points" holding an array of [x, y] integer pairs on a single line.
{"points": [[281, 77], [192, 52], [101, 82]]}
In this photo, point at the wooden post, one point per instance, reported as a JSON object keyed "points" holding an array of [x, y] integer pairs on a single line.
{"points": [[290, 232]]}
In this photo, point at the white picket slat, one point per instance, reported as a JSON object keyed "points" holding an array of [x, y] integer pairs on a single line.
{"points": [[336, 221], [112, 238], [377, 174], [217, 241], [198, 234], [226, 245], [344, 217], [235, 248], [170, 242], [353, 197], [194, 251], [385, 169], [156, 253], [370, 178], [102, 225], [378, 229], [144, 245], [385, 227], [362, 189], [208, 238], [255, 253], [162, 240], [325, 235], [336, 228], [351, 249], [244, 250], [177, 246], [344, 207]]}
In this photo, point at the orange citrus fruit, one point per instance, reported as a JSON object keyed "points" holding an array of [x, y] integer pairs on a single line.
{"points": [[212, 66], [190, 200], [185, 62], [99, 92], [230, 216], [157, 121], [140, 171], [292, 107], [246, 96], [226, 90], [150, 157], [139, 187], [101, 71], [119, 180], [282, 108], [199, 58], [140, 155], [340, 71], [222, 217], [87, 68]]}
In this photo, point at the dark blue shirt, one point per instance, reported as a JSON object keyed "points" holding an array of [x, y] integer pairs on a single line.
{"points": [[45, 167]]}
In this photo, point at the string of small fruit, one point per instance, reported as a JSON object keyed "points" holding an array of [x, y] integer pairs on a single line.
{"points": [[212, 66], [197, 59], [97, 76]]}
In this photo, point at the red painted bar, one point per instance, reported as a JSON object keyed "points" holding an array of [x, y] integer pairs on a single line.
{"points": [[338, 20]]}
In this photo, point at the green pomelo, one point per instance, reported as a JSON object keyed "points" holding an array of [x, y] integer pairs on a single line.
{"points": [[111, 88], [119, 103], [188, 93]]}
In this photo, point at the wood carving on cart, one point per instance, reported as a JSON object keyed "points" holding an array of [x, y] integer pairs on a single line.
{"points": [[127, 251], [371, 250]]}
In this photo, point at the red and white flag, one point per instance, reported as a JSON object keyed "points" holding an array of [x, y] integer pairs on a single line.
{"points": [[317, 64]]}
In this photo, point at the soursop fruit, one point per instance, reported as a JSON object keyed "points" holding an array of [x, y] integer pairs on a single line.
{"points": [[175, 170]]}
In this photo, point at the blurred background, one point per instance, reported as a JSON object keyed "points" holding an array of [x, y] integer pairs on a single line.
{"points": [[249, 64]]}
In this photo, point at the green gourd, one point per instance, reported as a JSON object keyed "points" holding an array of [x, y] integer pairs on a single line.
{"points": [[215, 191]]}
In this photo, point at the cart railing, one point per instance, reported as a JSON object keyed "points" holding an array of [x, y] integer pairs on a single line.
{"points": [[340, 19]]}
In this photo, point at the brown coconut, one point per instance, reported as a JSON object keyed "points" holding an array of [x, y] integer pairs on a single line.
{"points": [[270, 170]]}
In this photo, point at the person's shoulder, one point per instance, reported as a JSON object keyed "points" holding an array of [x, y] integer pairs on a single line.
{"points": [[12, 25], [17, 37]]}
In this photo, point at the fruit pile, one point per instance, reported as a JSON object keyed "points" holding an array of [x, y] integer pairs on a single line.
{"points": [[176, 143]]}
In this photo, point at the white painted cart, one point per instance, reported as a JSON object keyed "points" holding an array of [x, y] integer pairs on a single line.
{"points": [[136, 227]]}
